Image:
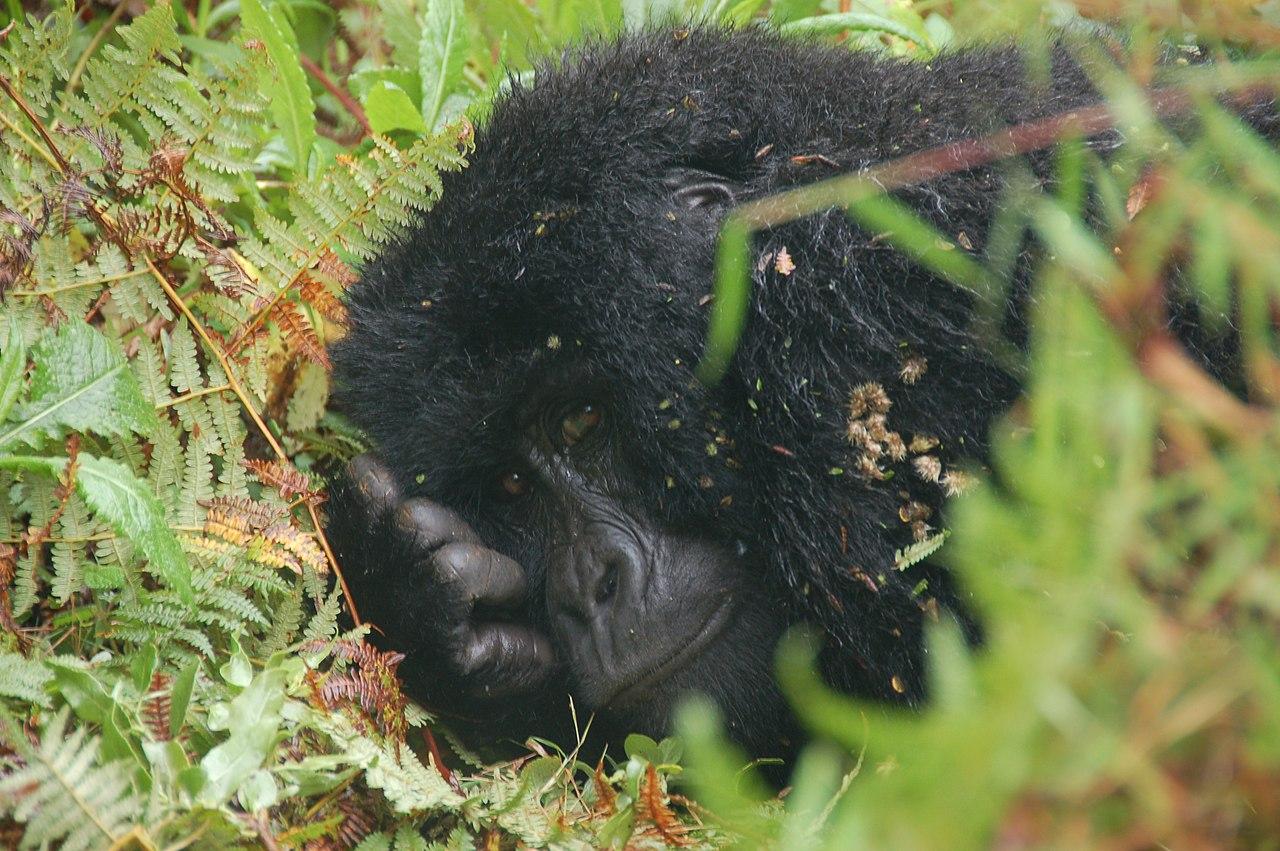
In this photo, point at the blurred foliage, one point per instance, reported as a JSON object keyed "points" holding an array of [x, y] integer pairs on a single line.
{"points": [[186, 190]]}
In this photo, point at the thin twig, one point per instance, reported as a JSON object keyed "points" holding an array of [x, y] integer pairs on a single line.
{"points": [[960, 156], [194, 394], [58, 161]]}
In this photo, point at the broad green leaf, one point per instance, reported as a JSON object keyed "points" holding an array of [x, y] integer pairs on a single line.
{"points": [[389, 108], [442, 51], [837, 23], [115, 495], [259, 792], [741, 13], [143, 666], [312, 22], [92, 702], [784, 11], [514, 27], [12, 361], [132, 509], [180, 696], [291, 101], [81, 382], [361, 82], [642, 746], [253, 719], [401, 29]]}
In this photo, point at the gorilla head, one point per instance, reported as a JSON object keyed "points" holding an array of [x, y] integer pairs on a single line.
{"points": [[557, 505]]}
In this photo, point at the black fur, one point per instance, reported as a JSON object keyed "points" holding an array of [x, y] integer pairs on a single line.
{"points": [[561, 247]]}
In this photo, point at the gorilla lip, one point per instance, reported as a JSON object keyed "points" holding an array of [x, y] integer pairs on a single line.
{"points": [[711, 629]]}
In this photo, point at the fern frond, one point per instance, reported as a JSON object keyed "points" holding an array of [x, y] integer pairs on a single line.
{"points": [[165, 470], [23, 678], [128, 77], [352, 207], [919, 551], [68, 557], [409, 786], [323, 625], [63, 795], [286, 619], [184, 365], [197, 482], [38, 52], [217, 122]]}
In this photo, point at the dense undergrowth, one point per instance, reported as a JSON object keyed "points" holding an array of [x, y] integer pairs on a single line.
{"points": [[185, 191]]}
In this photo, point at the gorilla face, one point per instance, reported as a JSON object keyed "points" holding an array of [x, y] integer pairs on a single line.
{"points": [[560, 581], [637, 613]]}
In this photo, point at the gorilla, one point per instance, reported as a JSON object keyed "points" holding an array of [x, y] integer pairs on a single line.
{"points": [[557, 506]]}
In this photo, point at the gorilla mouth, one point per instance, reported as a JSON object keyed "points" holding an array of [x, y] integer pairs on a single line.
{"points": [[632, 690]]}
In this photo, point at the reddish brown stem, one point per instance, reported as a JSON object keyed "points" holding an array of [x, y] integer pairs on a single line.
{"points": [[347, 101], [434, 748]]}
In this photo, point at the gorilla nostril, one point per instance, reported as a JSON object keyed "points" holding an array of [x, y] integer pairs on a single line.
{"points": [[607, 587]]}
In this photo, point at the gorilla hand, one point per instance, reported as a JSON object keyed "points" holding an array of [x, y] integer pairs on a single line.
{"points": [[464, 596]]}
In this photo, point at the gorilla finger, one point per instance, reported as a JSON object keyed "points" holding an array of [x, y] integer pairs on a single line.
{"points": [[375, 483], [509, 659], [430, 525], [483, 576]]}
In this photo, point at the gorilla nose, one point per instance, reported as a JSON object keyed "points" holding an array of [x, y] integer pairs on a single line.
{"points": [[599, 574]]}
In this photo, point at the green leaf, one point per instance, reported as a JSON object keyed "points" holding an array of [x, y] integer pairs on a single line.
{"points": [[835, 24], [389, 108], [740, 14], [642, 746], [253, 718], [143, 666], [442, 52], [91, 701], [259, 792], [180, 696], [115, 495], [361, 82], [132, 509], [784, 11], [12, 362], [80, 383], [908, 230], [291, 99]]}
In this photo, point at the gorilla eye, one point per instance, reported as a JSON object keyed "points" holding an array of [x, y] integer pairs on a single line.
{"points": [[579, 422], [513, 484]]}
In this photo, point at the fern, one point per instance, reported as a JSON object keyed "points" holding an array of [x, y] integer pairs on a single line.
{"points": [[396, 771], [131, 76], [23, 679], [919, 551], [63, 794], [169, 294], [354, 206]]}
